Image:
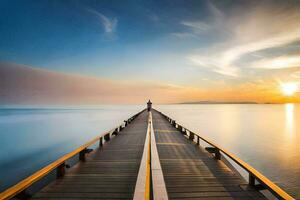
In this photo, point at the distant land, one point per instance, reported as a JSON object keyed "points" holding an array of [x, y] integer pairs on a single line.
{"points": [[219, 102]]}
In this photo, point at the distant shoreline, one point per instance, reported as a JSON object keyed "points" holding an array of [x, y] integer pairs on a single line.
{"points": [[224, 102]]}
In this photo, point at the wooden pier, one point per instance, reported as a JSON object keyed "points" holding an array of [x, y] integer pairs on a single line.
{"points": [[149, 156], [192, 173]]}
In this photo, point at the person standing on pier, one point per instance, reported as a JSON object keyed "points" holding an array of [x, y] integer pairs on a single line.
{"points": [[149, 105]]}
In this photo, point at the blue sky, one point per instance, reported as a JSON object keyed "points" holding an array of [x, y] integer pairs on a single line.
{"points": [[195, 44], [71, 36]]}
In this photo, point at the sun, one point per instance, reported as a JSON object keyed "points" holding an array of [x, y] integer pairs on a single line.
{"points": [[289, 89]]}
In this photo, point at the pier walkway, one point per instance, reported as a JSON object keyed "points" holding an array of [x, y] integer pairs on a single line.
{"points": [[149, 156], [109, 173], [192, 173]]}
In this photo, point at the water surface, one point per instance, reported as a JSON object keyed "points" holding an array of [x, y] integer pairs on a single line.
{"points": [[266, 136], [33, 138]]}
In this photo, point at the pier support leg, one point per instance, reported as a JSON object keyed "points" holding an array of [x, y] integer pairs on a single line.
{"points": [[198, 140]]}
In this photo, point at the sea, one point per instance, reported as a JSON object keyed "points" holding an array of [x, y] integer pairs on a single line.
{"points": [[266, 136]]}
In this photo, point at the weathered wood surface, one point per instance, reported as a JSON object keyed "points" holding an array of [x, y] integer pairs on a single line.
{"points": [[191, 173], [108, 173], [142, 186], [158, 182]]}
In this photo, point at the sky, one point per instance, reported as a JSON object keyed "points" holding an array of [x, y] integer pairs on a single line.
{"points": [[124, 52]]}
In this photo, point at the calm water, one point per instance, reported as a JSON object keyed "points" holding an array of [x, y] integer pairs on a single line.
{"points": [[266, 136], [32, 138]]}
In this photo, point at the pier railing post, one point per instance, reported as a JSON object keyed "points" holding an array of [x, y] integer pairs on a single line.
{"points": [[101, 142], [60, 170], [218, 154], [251, 180], [179, 128], [215, 151], [183, 131], [83, 152], [82, 155], [107, 137], [174, 123], [116, 131], [198, 140], [191, 136]]}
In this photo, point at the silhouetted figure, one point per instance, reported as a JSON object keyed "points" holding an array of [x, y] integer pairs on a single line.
{"points": [[149, 105]]}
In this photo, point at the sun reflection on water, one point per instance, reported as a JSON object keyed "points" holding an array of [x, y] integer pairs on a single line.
{"points": [[289, 119]]}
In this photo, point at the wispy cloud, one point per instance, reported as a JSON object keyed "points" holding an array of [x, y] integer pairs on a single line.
{"points": [[197, 26], [261, 27], [109, 25], [26, 85], [183, 35], [278, 62]]}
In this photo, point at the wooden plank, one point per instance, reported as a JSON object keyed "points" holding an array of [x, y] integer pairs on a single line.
{"points": [[158, 183], [142, 187]]}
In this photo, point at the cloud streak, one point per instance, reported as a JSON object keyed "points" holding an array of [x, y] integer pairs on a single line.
{"points": [[197, 26], [109, 25], [24, 85], [278, 62], [262, 27]]}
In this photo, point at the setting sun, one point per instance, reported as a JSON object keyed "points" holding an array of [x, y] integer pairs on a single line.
{"points": [[289, 89]]}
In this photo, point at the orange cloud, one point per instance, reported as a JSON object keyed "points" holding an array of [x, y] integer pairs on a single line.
{"points": [[25, 85]]}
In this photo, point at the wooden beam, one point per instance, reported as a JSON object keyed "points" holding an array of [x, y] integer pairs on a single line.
{"points": [[142, 187], [158, 182]]}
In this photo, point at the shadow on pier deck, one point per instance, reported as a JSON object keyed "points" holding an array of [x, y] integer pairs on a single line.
{"points": [[150, 157]]}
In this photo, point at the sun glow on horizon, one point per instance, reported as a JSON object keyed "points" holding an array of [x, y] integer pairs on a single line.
{"points": [[289, 89]]}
